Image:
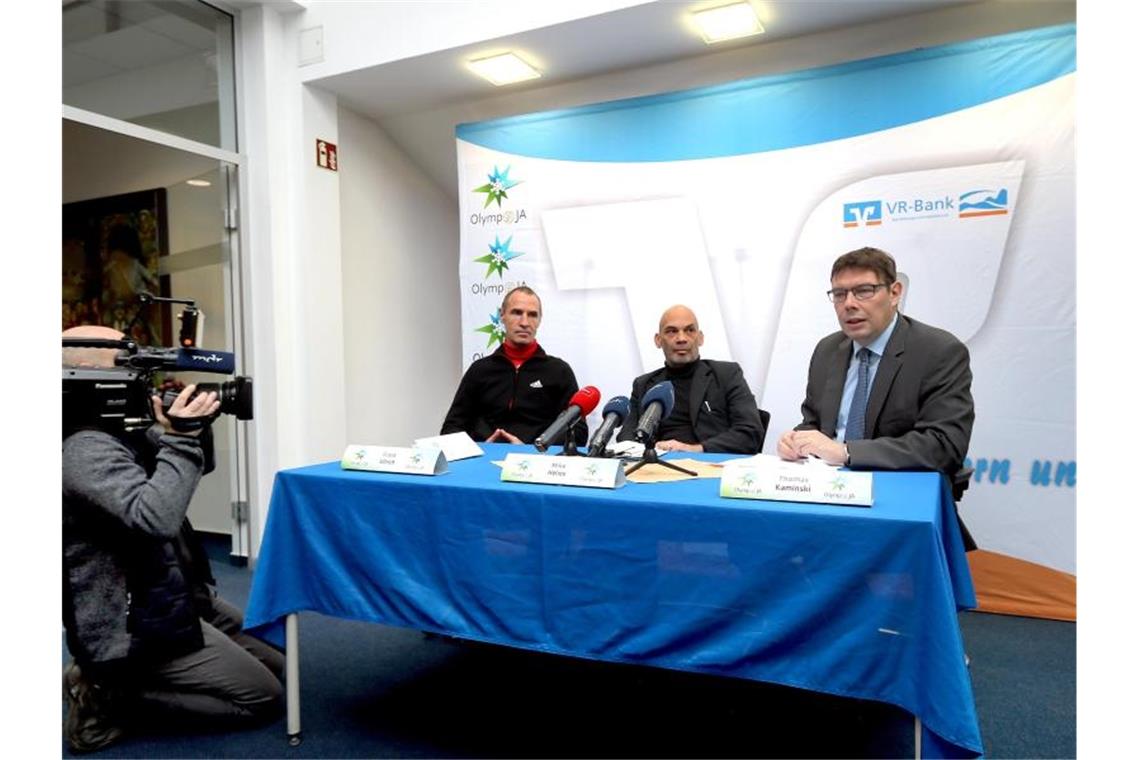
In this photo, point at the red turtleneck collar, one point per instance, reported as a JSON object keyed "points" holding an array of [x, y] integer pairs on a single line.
{"points": [[519, 354]]}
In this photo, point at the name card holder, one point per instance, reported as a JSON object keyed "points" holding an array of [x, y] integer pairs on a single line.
{"points": [[790, 481], [455, 445], [417, 460], [563, 471]]}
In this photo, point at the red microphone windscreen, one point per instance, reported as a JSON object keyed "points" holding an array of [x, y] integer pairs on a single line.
{"points": [[586, 399]]}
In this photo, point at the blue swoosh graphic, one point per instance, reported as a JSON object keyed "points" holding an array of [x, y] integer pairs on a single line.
{"points": [[789, 110]]}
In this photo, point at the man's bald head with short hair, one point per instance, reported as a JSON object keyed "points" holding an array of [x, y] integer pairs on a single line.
{"points": [[82, 356], [677, 311], [679, 336]]}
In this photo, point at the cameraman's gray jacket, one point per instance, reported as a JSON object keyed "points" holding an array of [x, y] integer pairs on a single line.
{"points": [[126, 592]]}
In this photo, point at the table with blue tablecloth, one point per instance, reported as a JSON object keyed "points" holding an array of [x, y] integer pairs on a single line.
{"points": [[858, 602]]}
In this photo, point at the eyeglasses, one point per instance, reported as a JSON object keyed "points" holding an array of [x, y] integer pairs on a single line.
{"points": [[861, 292]]}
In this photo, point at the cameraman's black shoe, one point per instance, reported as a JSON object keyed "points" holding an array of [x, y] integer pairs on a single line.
{"points": [[89, 725]]}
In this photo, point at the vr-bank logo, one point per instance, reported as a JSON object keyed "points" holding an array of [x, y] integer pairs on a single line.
{"points": [[496, 189], [494, 329], [983, 203], [500, 254], [865, 213]]}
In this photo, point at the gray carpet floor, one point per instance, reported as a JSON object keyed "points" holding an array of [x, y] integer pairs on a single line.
{"points": [[375, 691]]}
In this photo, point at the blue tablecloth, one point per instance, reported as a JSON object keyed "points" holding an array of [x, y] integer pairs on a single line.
{"points": [[844, 600]]}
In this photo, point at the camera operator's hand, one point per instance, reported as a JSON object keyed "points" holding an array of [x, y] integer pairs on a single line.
{"points": [[171, 385], [186, 408]]}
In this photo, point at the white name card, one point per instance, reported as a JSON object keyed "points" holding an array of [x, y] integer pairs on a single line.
{"points": [[417, 460], [563, 471], [792, 481], [455, 445]]}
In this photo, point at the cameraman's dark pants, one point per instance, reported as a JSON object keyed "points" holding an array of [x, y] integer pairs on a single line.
{"points": [[234, 679]]}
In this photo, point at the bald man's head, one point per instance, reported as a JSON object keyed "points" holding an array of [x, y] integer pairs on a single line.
{"points": [[679, 336], [90, 357]]}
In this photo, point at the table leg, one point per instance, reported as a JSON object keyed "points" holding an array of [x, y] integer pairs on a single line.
{"points": [[917, 738], [292, 681]]}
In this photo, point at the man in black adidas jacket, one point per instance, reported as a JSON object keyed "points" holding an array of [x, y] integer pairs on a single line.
{"points": [[513, 394]]}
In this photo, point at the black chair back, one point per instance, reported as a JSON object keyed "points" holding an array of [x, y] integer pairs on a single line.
{"points": [[958, 485], [765, 418]]}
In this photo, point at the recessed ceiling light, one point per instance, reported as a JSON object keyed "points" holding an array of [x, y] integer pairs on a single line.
{"points": [[198, 182], [505, 68], [727, 22]]}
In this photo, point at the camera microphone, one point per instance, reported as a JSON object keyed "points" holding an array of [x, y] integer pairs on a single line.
{"points": [[180, 359], [205, 360]]}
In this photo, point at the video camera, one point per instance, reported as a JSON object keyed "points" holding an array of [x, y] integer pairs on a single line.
{"points": [[117, 398]]}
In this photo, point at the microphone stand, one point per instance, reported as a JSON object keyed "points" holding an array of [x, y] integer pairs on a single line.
{"points": [[570, 447], [650, 457]]}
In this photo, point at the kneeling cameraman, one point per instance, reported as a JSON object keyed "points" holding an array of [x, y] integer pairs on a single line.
{"points": [[151, 639]]}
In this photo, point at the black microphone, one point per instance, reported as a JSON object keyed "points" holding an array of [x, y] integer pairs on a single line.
{"points": [[658, 405], [614, 413], [581, 404]]}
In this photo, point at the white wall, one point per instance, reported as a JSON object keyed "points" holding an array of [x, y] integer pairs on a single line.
{"points": [[357, 35], [318, 362], [399, 243]]}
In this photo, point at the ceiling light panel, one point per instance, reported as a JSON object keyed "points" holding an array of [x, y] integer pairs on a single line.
{"points": [[506, 68], [727, 22]]}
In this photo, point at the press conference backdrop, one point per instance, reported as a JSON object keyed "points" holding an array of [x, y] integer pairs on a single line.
{"points": [[736, 199]]}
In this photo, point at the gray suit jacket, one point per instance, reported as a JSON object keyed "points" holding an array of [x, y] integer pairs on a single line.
{"points": [[920, 412], [729, 422]]}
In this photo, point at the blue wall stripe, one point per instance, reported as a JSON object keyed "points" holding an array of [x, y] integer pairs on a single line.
{"points": [[789, 110]]}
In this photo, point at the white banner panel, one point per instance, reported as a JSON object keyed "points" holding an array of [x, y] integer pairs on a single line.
{"points": [[735, 200]]}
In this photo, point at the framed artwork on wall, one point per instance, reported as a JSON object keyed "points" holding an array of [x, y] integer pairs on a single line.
{"points": [[111, 252]]}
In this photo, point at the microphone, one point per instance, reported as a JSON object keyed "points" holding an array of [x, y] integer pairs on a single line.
{"points": [[169, 359], [581, 404], [204, 360], [658, 404], [614, 413]]}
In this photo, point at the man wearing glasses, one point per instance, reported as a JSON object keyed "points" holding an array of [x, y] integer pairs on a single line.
{"points": [[886, 392]]}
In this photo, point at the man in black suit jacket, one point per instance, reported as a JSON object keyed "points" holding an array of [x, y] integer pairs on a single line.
{"points": [[919, 411], [714, 409]]}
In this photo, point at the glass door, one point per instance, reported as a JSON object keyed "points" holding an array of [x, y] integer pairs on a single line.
{"points": [[166, 220], [150, 173]]}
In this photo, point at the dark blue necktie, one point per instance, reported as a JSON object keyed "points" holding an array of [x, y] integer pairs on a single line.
{"points": [[858, 410]]}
